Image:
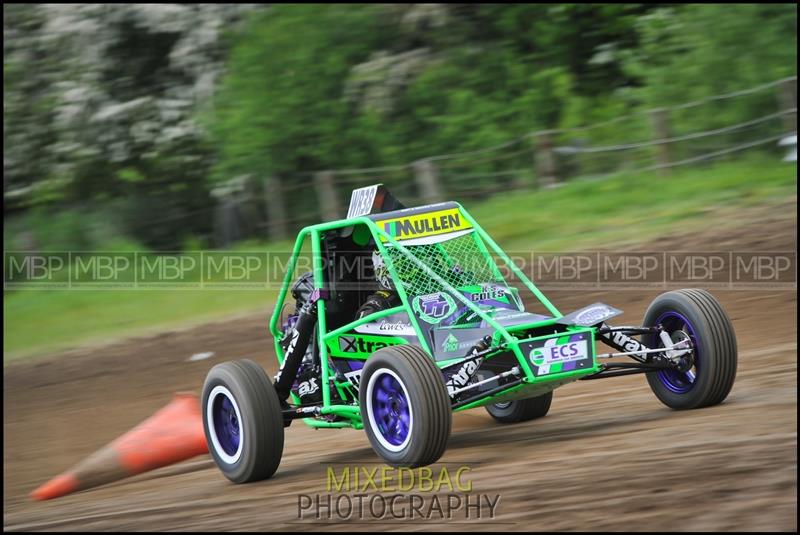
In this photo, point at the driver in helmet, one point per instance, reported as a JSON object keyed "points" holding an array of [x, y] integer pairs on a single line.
{"points": [[386, 296]]}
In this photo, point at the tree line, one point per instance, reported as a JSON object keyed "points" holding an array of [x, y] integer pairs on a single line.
{"points": [[154, 114]]}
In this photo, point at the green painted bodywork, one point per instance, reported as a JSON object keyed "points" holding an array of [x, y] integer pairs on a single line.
{"points": [[506, 337]]}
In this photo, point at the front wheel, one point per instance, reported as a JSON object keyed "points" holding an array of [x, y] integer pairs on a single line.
{"points": [[521, 410], [698, 316], [405, 406], [242, 421]]}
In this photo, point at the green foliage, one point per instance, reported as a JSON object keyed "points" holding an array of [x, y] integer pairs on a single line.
{"points": [[130, 175], [307, 87], [699, 50], [490, 73], [84, 137], [27, 101], [454, 78], [95, 228], [696, 51], [280, 109]]}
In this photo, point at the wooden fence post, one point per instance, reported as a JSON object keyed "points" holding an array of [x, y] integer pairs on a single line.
{"points": [[787, 100], [546, 168], [427, 181], [659, 119], [276, 209], [326, 195], [224, 222], [527, 178]]}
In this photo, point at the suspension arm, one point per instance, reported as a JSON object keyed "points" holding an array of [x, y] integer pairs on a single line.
{"points": [[620, 340]]}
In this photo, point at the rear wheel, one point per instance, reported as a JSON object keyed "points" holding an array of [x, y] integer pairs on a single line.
{"points": [[242, 421], [521, 410], [695, 315], [404, 406]]}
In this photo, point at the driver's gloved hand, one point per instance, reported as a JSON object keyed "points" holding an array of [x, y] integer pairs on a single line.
{"points": [[380, 300]]}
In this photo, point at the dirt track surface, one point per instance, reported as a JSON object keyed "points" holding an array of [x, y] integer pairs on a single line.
{"points": [[608, 456]]}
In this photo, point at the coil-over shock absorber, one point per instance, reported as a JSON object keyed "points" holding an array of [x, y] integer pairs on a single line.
{"points": [[297, 340]]}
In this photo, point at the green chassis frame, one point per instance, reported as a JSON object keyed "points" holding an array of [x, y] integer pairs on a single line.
{"points": [[529, 386]]}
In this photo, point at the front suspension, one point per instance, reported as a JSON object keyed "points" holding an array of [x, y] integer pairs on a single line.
{"points": [[673, 356]]}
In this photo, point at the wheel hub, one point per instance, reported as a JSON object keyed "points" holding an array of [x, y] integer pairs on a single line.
{"points": [[681, 377], [685, 362], [234, 423], [224, 424], [390, 409]]}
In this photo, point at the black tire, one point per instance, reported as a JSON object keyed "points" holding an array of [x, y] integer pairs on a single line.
{"points": [[258, 421], [521, 410], [716, 355], [422, 391]]}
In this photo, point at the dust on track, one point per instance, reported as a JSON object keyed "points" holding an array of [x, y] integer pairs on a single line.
{"points": [[608, 456]]}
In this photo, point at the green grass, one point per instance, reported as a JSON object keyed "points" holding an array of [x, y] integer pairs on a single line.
{"points": [[632, 209], [41, 321], [37, 321], [579, 215]]}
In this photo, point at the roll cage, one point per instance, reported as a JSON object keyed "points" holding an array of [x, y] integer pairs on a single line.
{"points": [[395, 235]]}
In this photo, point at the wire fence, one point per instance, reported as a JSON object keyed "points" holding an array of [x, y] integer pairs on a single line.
{"points": [[548, 158], [651, 140]]}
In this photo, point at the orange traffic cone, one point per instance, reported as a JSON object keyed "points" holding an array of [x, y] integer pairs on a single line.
{"points": [[173, 434]]}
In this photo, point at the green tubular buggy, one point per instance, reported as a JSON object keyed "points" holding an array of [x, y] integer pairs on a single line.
{"points": [[455, 335]]}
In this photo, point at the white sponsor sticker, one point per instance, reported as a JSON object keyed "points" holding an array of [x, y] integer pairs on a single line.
{"points": [[460, 378], [354, 377], [308, 387], [396, 328], [550, 353], [361, 201], [593, 315]]}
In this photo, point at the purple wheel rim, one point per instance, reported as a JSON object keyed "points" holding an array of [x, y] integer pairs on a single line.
{"points": [[390, 409], [676, 381], [226, 424]]}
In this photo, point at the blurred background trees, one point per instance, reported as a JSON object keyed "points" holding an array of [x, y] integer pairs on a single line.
{"points": [[134, 122], [99, 127]]}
